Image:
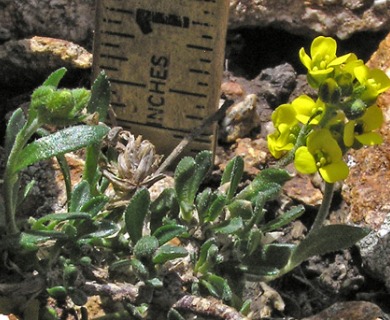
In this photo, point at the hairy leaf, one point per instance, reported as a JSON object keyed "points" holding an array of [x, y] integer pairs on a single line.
{"points": [[327, 239], [164, 204], [189, 174], [230, 226], [168, 252], [55, 78], [100, 96], [283, 219], [61, 142], [168, 232], [135, 214], [232, 175], [80, 195], [15, 124]]}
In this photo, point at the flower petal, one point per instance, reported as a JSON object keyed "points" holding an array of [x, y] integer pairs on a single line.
{"points": [[369, 138], [324, 46], [372, 118], [349, 133], [304, 161], [335, 171], [305, 59]]}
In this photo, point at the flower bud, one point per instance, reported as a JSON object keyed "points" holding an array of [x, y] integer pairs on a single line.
{"points": [[356, 109], [329, 91], [344, 81]]}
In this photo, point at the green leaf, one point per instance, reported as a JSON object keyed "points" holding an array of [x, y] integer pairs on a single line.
{"points": [[95, 205], [135, 214], [61, 142], [268, 181], [168, 252], [100, 97], [105, 229], [189, 174], [164, 204], [168, 232], [43, 235], [232, 175], [217, 286], [55, 77], [38, 225], [268, 264], [327, 239], [15, 124], [283, 219], [241, 208], [184, 172], [216, 208], [80, 195], [207, 256], [146, 247], [139, 269], [57, 292], [203, 201], [230, 226]]}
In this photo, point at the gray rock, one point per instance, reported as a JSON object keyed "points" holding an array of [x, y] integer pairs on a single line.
{"points": [[375, 252], [73, 20], [341, 18]]}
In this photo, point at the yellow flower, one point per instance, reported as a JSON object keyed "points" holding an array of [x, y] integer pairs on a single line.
{"points": [[322, 153], [307, 110], [361, 128], [286, 125], [375, 82], [323, 59]]}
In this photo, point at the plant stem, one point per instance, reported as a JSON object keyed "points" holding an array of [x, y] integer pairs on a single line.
{"points": [[11, 177], [324, 209]]}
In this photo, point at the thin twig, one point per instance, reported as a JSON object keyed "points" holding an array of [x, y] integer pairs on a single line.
{"points": [[116, 291], [219, 114], [209, 307]]}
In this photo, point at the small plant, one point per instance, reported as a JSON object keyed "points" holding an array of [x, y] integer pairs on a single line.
{"points": [[191, 241]]}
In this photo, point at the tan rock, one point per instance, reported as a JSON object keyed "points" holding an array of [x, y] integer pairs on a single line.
{"points": [[24, 62]]}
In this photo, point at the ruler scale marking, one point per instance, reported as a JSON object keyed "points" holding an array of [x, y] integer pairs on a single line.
{"points": [[164, 60]]}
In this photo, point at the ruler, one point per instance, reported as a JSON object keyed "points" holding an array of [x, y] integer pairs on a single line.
{"points": [[164, 59]]}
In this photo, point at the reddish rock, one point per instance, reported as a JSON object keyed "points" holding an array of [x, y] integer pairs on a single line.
{"points": [[366, 189], [301, 188], [254, 153], [232, 89]]}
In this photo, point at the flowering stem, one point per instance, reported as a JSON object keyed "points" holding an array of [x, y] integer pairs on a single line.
{"points": [[10, 184], [324, 209]]}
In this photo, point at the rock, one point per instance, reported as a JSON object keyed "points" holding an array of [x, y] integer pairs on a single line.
{"points": [[72, 20], [276, 84], [27, 62], [240, 119], [356, 310], [272, 87], [341, 18], [375, 252], [300, 188], [366, 190], [254, 153], [367, 187]]}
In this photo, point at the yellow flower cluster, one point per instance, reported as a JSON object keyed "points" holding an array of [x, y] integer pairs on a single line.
{"points": [[344, 116]]}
